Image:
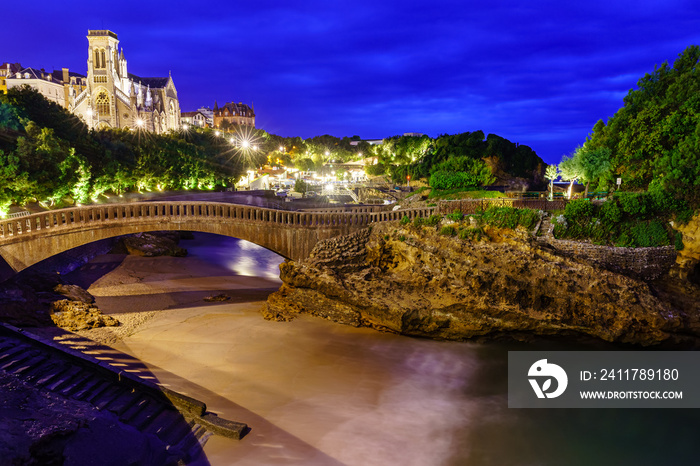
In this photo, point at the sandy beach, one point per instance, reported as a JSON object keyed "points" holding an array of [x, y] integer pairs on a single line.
{"points": [[319, 393], [313, 392]]}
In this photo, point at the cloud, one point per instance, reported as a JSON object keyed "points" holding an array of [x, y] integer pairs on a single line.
{"points": [[539, 73]]}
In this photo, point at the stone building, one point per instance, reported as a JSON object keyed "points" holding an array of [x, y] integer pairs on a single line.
{"points": [[115, 98], [7, 70], [233, 114], [44, 82], [57, 86], [194, 118]]}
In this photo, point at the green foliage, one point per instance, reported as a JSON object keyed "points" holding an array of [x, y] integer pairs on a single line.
{"points": [[629, 220], [376, 169], [460, 193], [456, 215], [56, 157], [649, 233], [473, 234], [454, 180], [654, 137], [433, 220], [610, 212], [578, 211], [470, 153], [448, 230], [678, 241], [9, 118], [405, 220], [301, 186], [510, 217]]}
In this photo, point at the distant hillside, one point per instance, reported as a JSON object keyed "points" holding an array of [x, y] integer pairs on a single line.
{"points": [[460, 160]]}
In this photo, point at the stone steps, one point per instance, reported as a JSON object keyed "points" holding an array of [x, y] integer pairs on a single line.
{"points": [[141, 407]]}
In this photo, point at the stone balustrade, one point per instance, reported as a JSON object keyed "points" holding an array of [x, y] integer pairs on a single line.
{"points": [[292, 234]]}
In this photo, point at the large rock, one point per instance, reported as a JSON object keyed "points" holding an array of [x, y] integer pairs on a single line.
{"points": [[688, 259], [78, 315], [154, 244], [417, 282]]}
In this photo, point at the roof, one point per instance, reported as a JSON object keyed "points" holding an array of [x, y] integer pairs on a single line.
{"points": [[101, 32], [58, 75], [14, 67], [192, 114], [153, 83], [36, 74], [238, 108]]}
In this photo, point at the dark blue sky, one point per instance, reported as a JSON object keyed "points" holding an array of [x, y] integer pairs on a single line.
{"points": [[539, 73]]}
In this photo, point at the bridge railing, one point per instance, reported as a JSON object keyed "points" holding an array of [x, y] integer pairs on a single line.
{"points": [[150, 212]]}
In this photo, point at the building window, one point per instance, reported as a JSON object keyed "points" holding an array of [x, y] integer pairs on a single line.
{"points": [[102, 103], [100, 61]]}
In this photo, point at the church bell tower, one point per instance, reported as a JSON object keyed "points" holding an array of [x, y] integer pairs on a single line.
{"points": [[103, 69]]}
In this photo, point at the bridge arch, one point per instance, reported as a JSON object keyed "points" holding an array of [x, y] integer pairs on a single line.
{"points": [[292, 234]]}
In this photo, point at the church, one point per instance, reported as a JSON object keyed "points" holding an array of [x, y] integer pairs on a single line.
{"points": [[115, 98]]}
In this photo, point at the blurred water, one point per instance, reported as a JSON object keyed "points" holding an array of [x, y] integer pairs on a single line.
{"points": [[237, 255], [446, 402]]}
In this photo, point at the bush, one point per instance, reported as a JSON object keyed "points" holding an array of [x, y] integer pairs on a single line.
{"points": [[376, 169], [433, 220], [649, 234], [678, 241], [452, 180], [301, 186], [636, 205], [510, 217], [579, 211], [448, 230], [405, 220], [418, 222], [610, 212], [456, 216], [471, 234]]}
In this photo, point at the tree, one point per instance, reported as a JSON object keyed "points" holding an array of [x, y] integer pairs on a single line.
{"points": [[593, 165], [654, 138], [301, 186], [551, 173], [570, 171]]}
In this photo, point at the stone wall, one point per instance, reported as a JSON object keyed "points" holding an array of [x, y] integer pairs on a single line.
{"points": [[472, 206], [644, 263]]}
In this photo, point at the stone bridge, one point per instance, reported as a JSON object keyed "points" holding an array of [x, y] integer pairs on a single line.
{"points": [[27, 240]]}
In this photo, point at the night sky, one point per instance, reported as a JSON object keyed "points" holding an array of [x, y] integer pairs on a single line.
{"points": [[539, 73]]}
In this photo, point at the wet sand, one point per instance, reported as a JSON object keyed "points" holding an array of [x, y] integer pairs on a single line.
{"points": [[318, 393], [313, 392]]}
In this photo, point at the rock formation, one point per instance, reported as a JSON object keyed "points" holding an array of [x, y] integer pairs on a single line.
{"points": [[41, 300], [417, 282], [162, 243]]}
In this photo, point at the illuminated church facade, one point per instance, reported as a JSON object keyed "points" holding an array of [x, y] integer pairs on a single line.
{"points": [[115, 98]]}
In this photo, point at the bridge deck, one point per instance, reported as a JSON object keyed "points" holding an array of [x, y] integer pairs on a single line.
{"points": [[292, 234]]}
